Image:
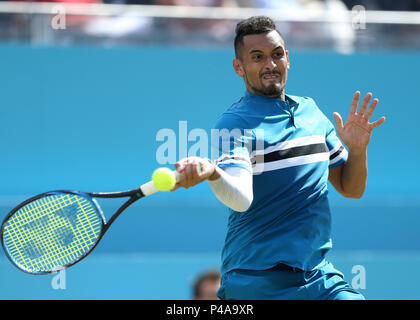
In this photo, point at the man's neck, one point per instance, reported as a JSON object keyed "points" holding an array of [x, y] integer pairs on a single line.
{"points": [[281, 96]]}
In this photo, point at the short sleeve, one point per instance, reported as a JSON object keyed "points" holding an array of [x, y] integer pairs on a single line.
{"points": [[231, 142], [338, 153]]}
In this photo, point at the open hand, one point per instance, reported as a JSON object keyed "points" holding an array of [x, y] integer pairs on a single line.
{"points": [[356, 133]]}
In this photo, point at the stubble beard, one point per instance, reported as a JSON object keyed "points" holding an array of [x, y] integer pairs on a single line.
{"points": [[272, 91]]}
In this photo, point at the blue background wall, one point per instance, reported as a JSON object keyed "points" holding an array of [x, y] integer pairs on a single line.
{"points": [[86, 118]]}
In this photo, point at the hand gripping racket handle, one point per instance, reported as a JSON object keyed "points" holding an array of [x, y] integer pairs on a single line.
{"points": [[149, 187]]}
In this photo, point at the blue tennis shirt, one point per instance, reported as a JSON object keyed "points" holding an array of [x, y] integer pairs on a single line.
{"points": [[288, 146]]}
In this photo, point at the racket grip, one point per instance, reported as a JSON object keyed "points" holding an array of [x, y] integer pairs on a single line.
{"points": [[149, 187]]}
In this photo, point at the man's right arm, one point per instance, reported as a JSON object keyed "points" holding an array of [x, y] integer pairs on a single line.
{"points": [[232, 185]]}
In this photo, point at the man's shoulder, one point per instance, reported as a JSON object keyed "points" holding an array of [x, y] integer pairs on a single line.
{"points": [[301, 99], [305, 103], [231, 119], [234, 117], [238, 106]]}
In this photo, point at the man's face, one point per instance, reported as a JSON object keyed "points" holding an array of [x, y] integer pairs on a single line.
{"points": [[263, 63]]}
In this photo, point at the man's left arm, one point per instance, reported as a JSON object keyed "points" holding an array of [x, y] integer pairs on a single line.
{"points": [[350, 178]]}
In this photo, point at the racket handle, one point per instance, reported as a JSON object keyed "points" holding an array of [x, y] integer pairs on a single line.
{"points": [[149, 187]]}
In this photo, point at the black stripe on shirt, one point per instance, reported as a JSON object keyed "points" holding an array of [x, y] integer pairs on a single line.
{"points": [[335, 154], [293, 152]]}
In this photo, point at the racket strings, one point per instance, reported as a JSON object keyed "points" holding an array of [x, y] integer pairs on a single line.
{"points": [[53, 231]]}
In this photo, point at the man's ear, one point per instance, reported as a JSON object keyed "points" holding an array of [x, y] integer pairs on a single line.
{"points": [[237, 66]]}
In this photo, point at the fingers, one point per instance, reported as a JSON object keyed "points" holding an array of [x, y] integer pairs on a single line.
{"points": [[378, 122], [365, 104], [192, 171], [372, 107], [338, 121], [355, 102], [179, 166], [365, 112], [177, 186]]}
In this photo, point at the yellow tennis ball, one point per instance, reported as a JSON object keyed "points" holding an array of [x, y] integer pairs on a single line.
{"points": [[164, 179]]}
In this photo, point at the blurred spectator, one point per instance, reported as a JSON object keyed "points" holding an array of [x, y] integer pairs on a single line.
{"points": [[338, 34], [206, 285], [70, 20], [387, 5], [196, 3], [205, 30], [278, 5], [62, 1], [123, 25], [143, 2], [397, 35]]}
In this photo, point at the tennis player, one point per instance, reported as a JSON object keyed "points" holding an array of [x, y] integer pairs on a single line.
{"points": [[279, 228]]}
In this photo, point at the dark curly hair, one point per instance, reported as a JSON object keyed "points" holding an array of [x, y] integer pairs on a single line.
{"points": [[252, 25]]}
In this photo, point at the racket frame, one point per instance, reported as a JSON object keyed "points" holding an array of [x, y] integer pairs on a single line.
{"points": [[134, 195]]}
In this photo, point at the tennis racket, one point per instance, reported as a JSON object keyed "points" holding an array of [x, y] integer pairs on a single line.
{"points": [[56, 229]]}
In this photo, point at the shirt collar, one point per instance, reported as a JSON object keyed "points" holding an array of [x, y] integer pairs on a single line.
{"points": [[292, 102]]}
